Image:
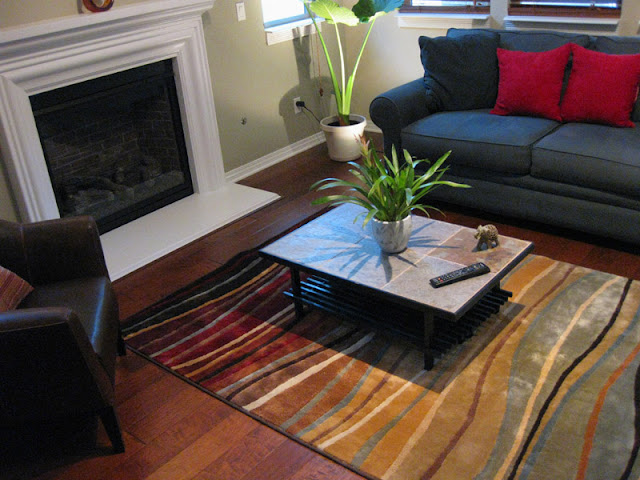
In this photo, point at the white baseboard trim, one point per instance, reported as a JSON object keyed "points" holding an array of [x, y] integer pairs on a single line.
{"points": [[276, 157]]}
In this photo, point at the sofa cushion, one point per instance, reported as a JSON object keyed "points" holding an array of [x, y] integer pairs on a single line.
{"points": [[617, 45], [93, 300], [13, 289], [460, 73], [602, 88], [592, 156], [477, 139], [530, 83], [620, 46], [528, 41]]}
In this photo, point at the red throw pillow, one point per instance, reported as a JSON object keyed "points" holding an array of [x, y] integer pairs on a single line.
{"points": [[602, 88], [13, 289], [530, 83]]}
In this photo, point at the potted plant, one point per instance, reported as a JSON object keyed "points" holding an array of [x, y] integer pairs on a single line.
{"points": [[342, 132], [389, 192]]}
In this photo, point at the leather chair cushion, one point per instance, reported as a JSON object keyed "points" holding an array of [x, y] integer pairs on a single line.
{"points": [[94, 302]]}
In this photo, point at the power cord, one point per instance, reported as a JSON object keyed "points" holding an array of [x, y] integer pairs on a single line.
{"points": [[300, 104]]}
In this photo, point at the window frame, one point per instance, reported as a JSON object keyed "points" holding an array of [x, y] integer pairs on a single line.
{"points": [[289, 28], [407, 7], [294, 19], [557, 11]]}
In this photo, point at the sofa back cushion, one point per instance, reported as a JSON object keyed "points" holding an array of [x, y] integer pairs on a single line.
{"points": [[460, 73], [527, 41], [540, 41], [620, 46]]}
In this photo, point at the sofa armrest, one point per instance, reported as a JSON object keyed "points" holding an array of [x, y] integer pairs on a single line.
{"points": [[63, 249], [397, 108]]}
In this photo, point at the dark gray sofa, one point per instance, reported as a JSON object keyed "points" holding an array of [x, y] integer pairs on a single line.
{"points": [[581, 176]]}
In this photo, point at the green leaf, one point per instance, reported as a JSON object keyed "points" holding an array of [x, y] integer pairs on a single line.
{"points": [[333, 13], [452, 184], [369, 216], [365, 10], [340, 199], [324, 180]]}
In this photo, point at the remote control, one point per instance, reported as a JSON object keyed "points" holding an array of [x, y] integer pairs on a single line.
{"points": [[461, 274]]}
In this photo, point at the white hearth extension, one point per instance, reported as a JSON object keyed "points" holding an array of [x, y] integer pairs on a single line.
{"points": [[45, 56]]}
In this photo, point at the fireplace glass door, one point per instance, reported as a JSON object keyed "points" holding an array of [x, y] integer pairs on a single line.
{"points": [[114, 146]]}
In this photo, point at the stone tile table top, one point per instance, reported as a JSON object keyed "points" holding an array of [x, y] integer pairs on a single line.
{"points": [[333, 246]]}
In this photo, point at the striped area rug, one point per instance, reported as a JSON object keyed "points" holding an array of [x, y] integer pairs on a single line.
{"points": [[547, 389]]}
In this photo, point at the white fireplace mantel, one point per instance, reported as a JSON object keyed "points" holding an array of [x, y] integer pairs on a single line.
{"points": [[44, 56]]}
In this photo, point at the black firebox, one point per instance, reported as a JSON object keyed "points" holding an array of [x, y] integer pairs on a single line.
{"points": [[114, 146]]}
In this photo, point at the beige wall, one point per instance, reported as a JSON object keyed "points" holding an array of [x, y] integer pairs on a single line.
{"points": [[258, 82]]}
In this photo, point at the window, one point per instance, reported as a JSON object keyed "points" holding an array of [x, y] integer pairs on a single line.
{"points": [[281, 12], [285, 20], [569, 8], [446, 6]]}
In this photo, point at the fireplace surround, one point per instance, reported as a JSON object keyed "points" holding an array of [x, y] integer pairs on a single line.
{"points": [[45, 56]]}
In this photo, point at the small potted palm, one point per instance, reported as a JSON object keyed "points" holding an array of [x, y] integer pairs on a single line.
{"points": [[342, 131], [388, 191]]}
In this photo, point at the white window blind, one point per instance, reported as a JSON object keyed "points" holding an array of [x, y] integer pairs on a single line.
{"points": [[446, 6], [566, 7], [452, 3], [568, 3]]}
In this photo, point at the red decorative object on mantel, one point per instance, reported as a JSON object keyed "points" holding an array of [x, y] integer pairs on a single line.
{"points": [[98, 5]]}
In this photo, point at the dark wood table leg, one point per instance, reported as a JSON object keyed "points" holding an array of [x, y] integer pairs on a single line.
{"points": [[428, 335], [297, 292]]}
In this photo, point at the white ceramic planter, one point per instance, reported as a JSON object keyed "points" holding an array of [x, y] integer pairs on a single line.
{"points": [[343, 142], [393, 237]]}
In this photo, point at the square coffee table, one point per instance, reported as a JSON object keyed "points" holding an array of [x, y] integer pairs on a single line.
{"points": [[350, 276]]}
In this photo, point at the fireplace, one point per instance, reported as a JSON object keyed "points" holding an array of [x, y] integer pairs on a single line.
{"points": [[114, 146], [67, 52]]}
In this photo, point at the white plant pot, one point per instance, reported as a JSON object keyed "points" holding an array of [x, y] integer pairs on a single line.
{"points": [[343, 142], [393, 237]]}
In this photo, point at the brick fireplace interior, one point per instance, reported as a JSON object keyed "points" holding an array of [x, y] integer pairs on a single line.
{"points": [[114, 146]]}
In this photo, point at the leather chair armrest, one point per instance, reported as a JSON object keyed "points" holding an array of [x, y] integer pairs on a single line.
{"points": [[42, 323], [63, 249], [50, 372], [397, 108]]}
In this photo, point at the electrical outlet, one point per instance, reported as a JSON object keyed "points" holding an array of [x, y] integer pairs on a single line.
{"points": [[296, 108]]}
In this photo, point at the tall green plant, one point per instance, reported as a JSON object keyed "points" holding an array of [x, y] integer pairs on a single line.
{"points": [[365, 11], [387, 189]]}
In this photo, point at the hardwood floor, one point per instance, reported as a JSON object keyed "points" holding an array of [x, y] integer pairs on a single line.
{"points": [[174, 431]]}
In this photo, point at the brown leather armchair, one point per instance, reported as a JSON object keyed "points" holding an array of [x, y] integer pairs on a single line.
{"points": [[58, 348]]}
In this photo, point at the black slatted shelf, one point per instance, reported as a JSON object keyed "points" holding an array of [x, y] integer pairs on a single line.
{"points": [[344, 301]]}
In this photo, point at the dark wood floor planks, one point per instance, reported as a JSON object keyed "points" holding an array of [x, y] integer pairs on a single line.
{"points": [[174, 431]]}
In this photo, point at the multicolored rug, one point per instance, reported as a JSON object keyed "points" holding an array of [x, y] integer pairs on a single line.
{"points": [[547, 389]]}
